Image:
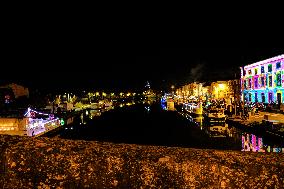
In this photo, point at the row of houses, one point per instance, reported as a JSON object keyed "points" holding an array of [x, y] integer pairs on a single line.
{"points": [[261, 81], [229, 90]]}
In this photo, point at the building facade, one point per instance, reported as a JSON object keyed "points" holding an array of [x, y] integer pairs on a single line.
{"points": [[219, 90], [229, 90], [263, 81], [18, 90], [190, 90]]}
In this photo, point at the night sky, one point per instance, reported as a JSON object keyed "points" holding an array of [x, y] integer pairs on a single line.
{"points": [[125, 68], [54, 59], [105, 52]]}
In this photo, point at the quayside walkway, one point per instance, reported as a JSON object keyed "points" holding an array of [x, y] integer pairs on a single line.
{"points": [[41, 162]]}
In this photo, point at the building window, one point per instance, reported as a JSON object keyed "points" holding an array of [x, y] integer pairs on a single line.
{"points": [[255, 71], [278, 65], [270, 81], [262, 69], [245, 84], [269, 68], [262, 97], [249, 97], [278, 82], [249, 72], [249, 83], [255, 82], [262, 81]]}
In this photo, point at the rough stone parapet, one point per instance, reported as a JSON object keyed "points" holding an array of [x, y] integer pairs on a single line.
{"points": [[56, 163]]}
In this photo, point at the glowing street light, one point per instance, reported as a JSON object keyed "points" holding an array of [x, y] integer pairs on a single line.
{"points": [[221, 86]]}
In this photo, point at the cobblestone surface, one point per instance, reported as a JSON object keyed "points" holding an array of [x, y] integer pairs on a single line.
{"points": [[56, 163]]}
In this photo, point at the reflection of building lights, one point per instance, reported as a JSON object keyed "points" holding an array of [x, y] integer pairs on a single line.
{"points": [[147, 108], [260, 144], [253, 143]]}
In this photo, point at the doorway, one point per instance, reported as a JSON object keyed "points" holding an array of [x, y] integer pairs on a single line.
{"points": [[279, 100], [263, 97], [269, 97]]}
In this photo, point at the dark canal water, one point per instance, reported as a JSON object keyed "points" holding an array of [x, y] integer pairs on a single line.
{"points": [[152, 125]]}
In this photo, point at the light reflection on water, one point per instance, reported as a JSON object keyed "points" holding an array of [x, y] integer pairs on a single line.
{"points": [[231, 137], [249, 142], [89, 114]]}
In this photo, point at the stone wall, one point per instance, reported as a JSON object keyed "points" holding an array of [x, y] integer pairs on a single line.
{"points": [[56, 163]]}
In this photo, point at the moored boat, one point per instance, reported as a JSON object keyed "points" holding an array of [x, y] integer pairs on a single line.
{"points": [[194, 108], [215, 115]]}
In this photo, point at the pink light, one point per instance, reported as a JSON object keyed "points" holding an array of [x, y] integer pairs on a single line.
{"points": [[260, 63], [260, 143], [253, 141], [243, 142]]}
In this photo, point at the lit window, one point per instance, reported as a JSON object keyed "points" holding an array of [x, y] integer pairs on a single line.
{"points": [[255, 82], [255, 71], [269, 68], [249, 83], [262, 81], [270, 81], [278, 65], [278, 83], [249, 72], [262, 69]]}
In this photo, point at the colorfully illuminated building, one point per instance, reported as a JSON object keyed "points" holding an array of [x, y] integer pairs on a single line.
{"points": [[263, 81]]}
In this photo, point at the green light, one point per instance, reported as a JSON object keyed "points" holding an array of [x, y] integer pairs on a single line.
{"points": [[62, 122]]}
